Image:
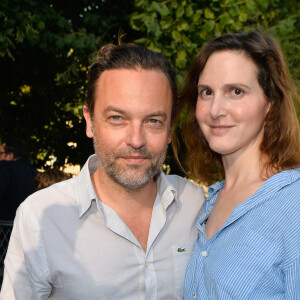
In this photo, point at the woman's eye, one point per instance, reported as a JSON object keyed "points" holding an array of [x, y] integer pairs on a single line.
{"points": [[206, 93], [237, 92]]}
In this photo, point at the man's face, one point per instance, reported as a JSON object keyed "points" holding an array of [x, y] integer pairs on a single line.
{"points": [[131, 124]]}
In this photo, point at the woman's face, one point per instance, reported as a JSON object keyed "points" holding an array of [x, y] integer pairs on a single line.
{"points": [[231, 106]]}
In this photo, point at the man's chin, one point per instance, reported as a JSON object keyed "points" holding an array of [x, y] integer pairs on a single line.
{"points": [[134, 179]]}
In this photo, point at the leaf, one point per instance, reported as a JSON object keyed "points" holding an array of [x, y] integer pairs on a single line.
{"points": [[183, 26], [9, 31], [142, 41], [181, 60], [263, 3], [165, 24], [186, 40], [209, 26], [225, 20], [176, 35], [189, 11], [250, 4], [208, 13], [243, 17], [161, 8], [179, 12], [197, 15], [40, 25]]}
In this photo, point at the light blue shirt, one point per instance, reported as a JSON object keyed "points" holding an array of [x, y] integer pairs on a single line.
{"points": [[66, 244], [256, 254]]}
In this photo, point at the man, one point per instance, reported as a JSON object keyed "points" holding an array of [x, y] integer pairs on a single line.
{"points": [[121, 229], [16, 177]]}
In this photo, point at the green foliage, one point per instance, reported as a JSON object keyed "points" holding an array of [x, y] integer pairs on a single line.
{"points": [[45, 49], [178, 28]]}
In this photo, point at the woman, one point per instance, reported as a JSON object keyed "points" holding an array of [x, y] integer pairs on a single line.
{"points": [[241, 119]]}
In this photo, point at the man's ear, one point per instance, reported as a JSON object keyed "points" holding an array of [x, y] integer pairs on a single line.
{"points": [[89, 123]]}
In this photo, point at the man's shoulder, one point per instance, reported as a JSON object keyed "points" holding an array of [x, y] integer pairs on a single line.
{"points": [[186, 189], [61, 193], [182, 182]]}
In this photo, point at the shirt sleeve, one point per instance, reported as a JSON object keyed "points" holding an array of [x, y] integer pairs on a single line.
{"points": [[26, 274], [292, 280]]}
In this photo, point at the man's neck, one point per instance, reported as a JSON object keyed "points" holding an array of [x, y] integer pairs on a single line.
{"points": [[116, 195], [134, 207]]}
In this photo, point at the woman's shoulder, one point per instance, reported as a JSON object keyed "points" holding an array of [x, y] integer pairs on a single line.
{"points": [[286, 179], [284, 189]]}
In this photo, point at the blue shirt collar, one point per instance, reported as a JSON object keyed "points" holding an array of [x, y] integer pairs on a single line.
{"points": [[270, 186]]}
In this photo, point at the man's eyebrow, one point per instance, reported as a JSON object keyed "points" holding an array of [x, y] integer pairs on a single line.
{"points": [[158, 114], [112, 108]]}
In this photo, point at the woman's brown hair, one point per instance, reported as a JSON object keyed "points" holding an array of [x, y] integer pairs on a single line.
{"points": [[281, 140]]}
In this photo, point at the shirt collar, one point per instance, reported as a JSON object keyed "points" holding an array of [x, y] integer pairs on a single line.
{"points": [[85, 192], [166, 191], [271, 186]]}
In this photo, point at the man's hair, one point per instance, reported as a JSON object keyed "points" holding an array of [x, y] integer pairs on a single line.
{"points": [[129, 57], [18, 147], [49, 177], [281, 140]]}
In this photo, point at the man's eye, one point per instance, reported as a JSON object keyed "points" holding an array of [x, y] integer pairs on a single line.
{"points": [[115, 118], [154, 121]]}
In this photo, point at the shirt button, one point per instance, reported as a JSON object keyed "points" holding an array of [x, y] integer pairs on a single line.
{"points": [[194, 295], [204, 253], [146, 264]]}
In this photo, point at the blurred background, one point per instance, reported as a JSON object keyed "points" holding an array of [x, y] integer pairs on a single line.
{"points": [[47, 46]]}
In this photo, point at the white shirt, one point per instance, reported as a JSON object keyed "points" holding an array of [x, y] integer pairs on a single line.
{"points": [[66, 244]]}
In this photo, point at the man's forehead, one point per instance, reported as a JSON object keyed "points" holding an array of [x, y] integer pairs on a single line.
{"points": [[116, 81], [143, 91]]}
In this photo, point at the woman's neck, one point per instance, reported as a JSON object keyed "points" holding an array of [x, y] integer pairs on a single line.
{"points": [[244, 168]]}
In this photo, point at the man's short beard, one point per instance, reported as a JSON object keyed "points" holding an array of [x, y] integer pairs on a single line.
{"points": [[129, 182], [127, 178]]}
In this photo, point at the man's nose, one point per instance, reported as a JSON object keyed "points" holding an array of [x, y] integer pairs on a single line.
{"points": [[136, 135]]}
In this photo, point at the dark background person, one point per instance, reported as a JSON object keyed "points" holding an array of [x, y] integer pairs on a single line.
{"points": [[16, 176], [49, 177]]}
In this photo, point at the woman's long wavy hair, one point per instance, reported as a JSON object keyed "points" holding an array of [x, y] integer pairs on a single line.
{"points": [[281, 140]]}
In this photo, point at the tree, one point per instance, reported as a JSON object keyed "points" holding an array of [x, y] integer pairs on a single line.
{"points": [[179, 28], [45, 49]]}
